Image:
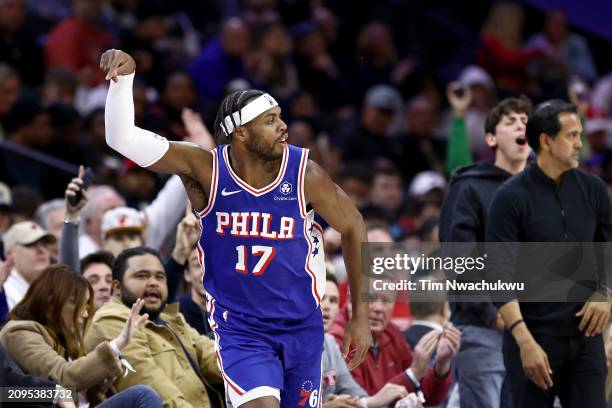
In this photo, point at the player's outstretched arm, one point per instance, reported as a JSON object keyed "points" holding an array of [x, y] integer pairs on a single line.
{"points": [[338, 210], [141, 146]]}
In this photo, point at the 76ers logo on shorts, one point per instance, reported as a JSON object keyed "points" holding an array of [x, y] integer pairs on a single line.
{"points": [[309, 394], [286, 188]]}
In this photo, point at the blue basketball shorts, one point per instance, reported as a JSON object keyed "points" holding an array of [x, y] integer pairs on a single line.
{"points": [[258, 358]]}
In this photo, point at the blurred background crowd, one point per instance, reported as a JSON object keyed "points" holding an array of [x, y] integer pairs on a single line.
{"points": [[376, 91], [364, 85]]}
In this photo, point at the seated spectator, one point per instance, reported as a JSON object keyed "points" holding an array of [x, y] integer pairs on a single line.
{"points": [[427, 315], [97, 268], [122, 228], [6, 201], [50, 216], [69, 244], [421, 149], [161, 216], [193, 304], [44, 336], [77, 41], [304, 132], [268, 62], [564, 46], [60, 85], [52, 213], [376, 56], [220, 61], [390, 359], [12, 376], [101, 199], [19, 45], [143, 40], [167, 353], [338, 384], [386, 192], [68, 144], [602, 95], [428, 186], [471, 98], [28, 125], [356, 181], [365, 139], [502, 53], [317, 68], [185, 259], [25, 202], [27, 255], [178, 93], [10, 87]]}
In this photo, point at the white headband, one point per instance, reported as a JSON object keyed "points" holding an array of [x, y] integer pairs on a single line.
{"points": [[248, 113]]}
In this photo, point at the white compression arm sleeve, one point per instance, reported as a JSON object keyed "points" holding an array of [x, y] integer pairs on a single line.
{"points": [[141, 146]]}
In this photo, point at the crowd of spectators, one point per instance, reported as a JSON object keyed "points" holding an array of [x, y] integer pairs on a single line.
{"points": [[390, 98]]}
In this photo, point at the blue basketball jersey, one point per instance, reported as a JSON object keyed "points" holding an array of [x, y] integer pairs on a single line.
{"points": [[261, 251]]}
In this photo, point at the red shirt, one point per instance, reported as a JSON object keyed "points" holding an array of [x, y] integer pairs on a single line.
{"points": [[393, 357], [507, 66], [77, 46]]}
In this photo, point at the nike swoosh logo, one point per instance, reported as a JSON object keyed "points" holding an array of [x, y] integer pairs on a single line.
{"points": [[227, 193]]}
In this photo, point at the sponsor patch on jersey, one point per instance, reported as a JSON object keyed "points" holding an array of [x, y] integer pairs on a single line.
{"points": [[286, 188]]}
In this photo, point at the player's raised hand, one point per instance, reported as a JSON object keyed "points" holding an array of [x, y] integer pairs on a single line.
{"points": [[115, 63]]}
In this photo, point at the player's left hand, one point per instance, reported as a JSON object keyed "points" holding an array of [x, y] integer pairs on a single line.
{"points": [[357, 340], [595, 316]]}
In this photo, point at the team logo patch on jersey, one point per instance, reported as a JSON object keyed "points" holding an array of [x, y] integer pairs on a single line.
{"points": [[286, 188]]}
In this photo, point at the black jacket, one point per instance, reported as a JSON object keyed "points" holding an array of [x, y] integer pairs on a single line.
{"points": [[465, 209], [531, 207], [463, 219], [11, 376]]}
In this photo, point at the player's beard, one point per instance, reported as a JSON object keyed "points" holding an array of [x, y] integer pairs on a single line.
{"points": [[259, 146], [128, 299]]}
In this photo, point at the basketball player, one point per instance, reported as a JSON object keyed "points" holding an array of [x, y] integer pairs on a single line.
{"points": [[261, 250]]}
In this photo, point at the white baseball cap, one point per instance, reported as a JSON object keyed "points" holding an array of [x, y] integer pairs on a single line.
{"points": [[122, 219], [475, 75], [25, 233], [6, 198], [426, 181]]}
